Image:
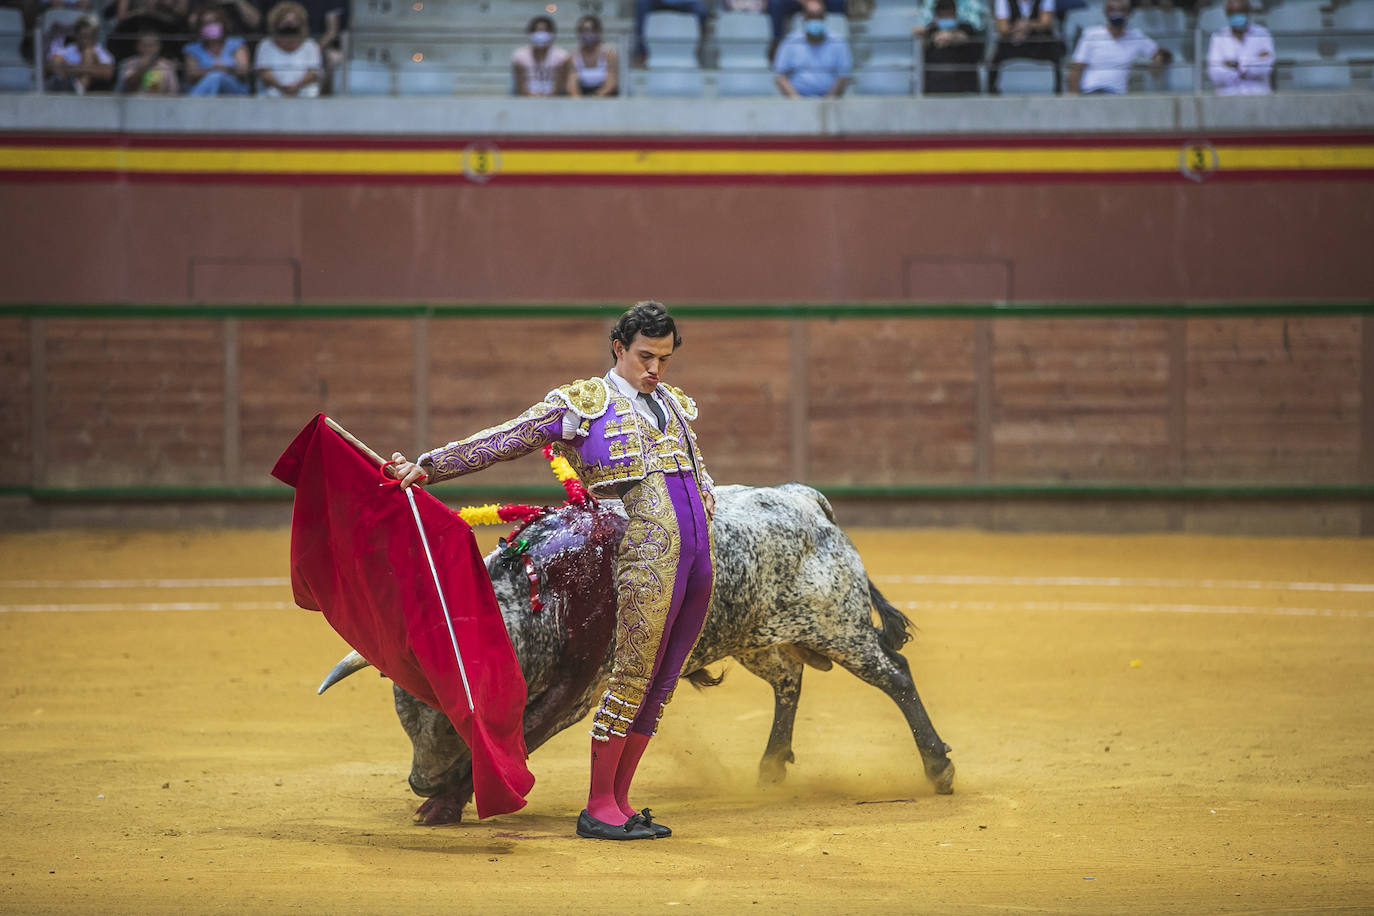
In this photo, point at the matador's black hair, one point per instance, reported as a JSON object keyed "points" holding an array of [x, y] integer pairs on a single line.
{"points": [[648, 318]]}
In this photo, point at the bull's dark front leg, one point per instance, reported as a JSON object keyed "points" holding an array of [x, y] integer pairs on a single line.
{"points": [[444, 808], [782, 669], [890, 673]]}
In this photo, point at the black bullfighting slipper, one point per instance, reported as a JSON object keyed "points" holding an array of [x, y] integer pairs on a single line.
{"points": [[633, 829], [659, 830]]}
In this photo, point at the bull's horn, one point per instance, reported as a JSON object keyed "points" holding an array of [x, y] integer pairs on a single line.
{"points": [[351, 662]]}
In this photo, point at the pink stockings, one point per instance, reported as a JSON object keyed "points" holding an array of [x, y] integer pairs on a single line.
{"points": [[613, 769]]}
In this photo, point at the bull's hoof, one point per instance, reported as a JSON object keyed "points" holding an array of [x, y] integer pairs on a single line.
{"points": [[440, 810], [773, 770], [941, 775]]}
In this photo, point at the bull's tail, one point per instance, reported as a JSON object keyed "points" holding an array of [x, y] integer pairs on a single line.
{"points": [[896, 630], [702, 678]]}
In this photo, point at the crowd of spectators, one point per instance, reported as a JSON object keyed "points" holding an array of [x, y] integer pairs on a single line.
{"points": [[166, 47], [292, 47]]}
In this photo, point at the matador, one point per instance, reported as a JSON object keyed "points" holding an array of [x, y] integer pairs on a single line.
{"points": [[629, 437]]}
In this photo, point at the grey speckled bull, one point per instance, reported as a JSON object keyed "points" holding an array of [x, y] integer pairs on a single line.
{"points": [[790, 591]]}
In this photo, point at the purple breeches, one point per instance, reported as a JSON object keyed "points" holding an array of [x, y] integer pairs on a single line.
{"points": [[663, 580], [691, 596]]}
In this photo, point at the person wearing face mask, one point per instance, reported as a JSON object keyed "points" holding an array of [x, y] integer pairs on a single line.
{"points": [[1240, 57], [595, 66], [812, 63], [217, 64], [953, 49], [288, 62], [1104, 55], [780, 12], [540, 68]]}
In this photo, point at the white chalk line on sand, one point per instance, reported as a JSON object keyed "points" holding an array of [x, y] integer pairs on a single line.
{"points": [[261, 582], [1090, 606], [1071, 581], [1134, 608], [1120, 582], [108, 606]]}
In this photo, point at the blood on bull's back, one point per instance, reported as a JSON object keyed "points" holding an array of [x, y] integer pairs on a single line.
{"points": [[790, 590]]}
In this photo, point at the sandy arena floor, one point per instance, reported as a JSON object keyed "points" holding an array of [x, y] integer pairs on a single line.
{"points": [[1141, 725]]}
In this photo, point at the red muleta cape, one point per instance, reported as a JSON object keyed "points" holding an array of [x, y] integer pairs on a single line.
{"points": [[356, 555]]}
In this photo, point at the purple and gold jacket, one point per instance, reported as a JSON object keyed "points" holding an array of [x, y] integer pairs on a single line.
{"points": [[613, 445]]}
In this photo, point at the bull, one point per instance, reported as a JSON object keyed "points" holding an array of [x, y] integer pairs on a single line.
{"points": [[790, 591]]}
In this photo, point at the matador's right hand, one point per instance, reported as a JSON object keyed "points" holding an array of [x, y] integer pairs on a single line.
{"points": [[406, 471]]}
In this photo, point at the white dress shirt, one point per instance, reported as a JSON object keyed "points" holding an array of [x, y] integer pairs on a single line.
{"points": [[571, 421], [1108, 59], [1253, 52]]}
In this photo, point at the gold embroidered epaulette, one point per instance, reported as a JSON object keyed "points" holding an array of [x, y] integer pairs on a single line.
{"points": [[689, 406], [587, 397]]}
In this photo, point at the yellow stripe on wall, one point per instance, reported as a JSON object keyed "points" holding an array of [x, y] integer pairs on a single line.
{"points": [[670, 162]]}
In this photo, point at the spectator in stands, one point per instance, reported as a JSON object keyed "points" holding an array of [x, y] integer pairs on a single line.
{"points": [[148, 72], [540, 68], [812, 63], [241, 17], [643, 8], [595, 69], [1102, 61], [1025, 29], [327, 22], [782, 11], [288, 61], [953, 50], [82, 64], [1240, 58], [973, 12], [131, 18], [217, 64]]}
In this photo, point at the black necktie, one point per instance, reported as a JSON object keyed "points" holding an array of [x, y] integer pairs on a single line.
{"points": [[658, 411]]}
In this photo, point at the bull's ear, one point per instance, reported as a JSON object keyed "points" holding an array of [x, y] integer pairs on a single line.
{"points": [[349, 664]]}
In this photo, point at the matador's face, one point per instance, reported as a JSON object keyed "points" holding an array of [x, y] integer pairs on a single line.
{"points": [[643, 362]]}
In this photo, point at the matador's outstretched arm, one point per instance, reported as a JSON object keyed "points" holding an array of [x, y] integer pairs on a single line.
{"points": [[532, 430]]}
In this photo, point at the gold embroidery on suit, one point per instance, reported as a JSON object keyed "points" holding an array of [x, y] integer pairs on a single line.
{"points": [[646, 566]]}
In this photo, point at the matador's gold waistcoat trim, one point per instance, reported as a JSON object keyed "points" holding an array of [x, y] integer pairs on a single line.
{"points": [[615, 445]]}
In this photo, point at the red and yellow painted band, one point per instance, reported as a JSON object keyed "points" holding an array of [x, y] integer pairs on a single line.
{"points": [[669, 163]]}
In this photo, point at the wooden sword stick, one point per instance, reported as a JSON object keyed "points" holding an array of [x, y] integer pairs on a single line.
{"points": [[354, 441], [362, 446]]}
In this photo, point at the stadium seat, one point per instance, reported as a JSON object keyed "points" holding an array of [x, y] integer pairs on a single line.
{"points": [[1305, 76], [671, 38], [1297, 28], [422, 80], [885, 81], [738, 83], [688, 84], [16, 77], [375, 14], [1078, 20], [1356, 19], [1174, 79], [1211, 20], [888, 37], [367, 78], [1153, 21], [11, 34], [743, 40], [1026, 77]]}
